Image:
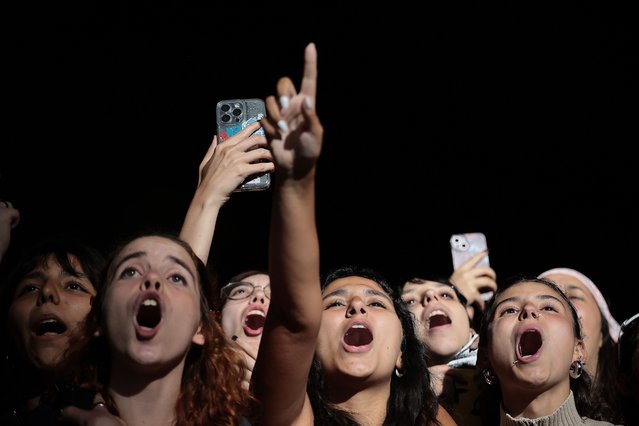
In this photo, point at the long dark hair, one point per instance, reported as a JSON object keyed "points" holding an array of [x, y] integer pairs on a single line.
{"points": [[580, 386], [412, 400], [604, 402], [20, 378]]}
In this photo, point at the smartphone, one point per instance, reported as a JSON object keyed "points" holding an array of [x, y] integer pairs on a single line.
{"points": [[465, 246], [233, 115]]}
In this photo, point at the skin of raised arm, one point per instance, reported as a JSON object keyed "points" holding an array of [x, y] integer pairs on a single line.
{"points": [[293, 321], [470, 279], [9, 219], [223, 168]]}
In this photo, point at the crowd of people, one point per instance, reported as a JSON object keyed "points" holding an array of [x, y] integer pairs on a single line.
{"points": [[145, 336]]}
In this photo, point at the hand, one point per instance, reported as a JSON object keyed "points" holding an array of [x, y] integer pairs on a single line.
{"points": [[9, 219], [469, 280], [292, 126], [98, 416], [226, 165], [249, 353]]}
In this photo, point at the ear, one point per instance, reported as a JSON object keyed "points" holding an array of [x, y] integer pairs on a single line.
{"points": [[579, 353], [198, 337], [399, 364]]}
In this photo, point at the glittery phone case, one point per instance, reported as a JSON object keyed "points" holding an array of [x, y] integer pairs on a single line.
{"points": [[233, 115]]}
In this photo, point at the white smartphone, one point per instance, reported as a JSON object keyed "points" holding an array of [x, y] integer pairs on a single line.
{"points": [[232, 115], [465, 246]]}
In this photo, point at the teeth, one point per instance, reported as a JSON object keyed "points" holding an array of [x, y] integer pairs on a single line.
{"points": [[358, 326], [437, 312], [47, 321], [256, 312], [150, 302]]}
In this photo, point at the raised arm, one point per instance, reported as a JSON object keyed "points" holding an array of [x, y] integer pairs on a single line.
{"points": [[293, 320], [9, 219], [224, 168]]}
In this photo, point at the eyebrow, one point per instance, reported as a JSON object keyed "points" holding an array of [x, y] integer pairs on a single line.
{"points": [[368, 292], [438, 286], [33, 275], [539, 297], [39, 275], [141, 253]]}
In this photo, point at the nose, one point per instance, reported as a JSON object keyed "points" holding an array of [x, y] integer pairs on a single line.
{"points": [[258, 295], [151, 281], [529, 312], [356, 307], [49, 293], [430, 296]]}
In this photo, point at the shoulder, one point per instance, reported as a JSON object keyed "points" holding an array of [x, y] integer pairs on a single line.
{"points": [[444, 418]]}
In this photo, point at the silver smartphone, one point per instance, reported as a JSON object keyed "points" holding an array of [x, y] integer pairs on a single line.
{"points": [[233, 115]]}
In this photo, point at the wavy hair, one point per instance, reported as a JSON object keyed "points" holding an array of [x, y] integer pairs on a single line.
{"points": [[211, 391], [412, 400]]}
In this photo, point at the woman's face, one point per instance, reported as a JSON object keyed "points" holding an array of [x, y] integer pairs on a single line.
{"points": [[48, 307], [589, 315], [442, 321], [245, 317], [531, 340], [360, 335], [152, 306]]}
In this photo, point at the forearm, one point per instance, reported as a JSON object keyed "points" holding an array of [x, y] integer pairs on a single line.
{"points": [[294, 252], [199, 226]]}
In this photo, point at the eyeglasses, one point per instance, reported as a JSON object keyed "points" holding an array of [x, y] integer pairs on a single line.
{"points": [[243, 290]]}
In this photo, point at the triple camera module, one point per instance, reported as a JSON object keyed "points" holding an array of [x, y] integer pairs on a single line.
{"points": [[231, 112]]}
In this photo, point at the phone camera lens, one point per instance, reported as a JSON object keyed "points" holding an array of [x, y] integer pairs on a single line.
{"points": [[237, 112], [226, 118], [225, 107]]}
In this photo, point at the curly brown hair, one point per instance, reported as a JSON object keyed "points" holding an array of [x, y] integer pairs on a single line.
{"points": [[211, 390]]}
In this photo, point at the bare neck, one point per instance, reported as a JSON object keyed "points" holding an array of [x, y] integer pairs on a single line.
{"points": [[533, 404], [366, 405], [146, 398]]}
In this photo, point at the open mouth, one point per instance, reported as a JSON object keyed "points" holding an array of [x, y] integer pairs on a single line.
{"points": [[358, 335], [254, 322], [437, 319], [149, 313], [529, 343], [50, 326]]}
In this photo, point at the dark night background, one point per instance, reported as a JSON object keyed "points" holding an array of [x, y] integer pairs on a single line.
{"points": [[519, 122]]}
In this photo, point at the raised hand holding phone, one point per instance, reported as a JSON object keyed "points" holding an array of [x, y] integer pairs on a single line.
{"points": [[234, 116], [222, 170], [472, 275]]}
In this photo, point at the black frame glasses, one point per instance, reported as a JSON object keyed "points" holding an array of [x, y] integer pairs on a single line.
{"points": [[242, 290]]}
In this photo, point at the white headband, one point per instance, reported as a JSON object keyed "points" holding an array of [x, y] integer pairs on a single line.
{"points": [[613, 325]]}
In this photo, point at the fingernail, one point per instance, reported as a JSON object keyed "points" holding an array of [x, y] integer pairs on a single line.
{"points": [[284, 102], [308, 102], [283, 126], [234, 338]]}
